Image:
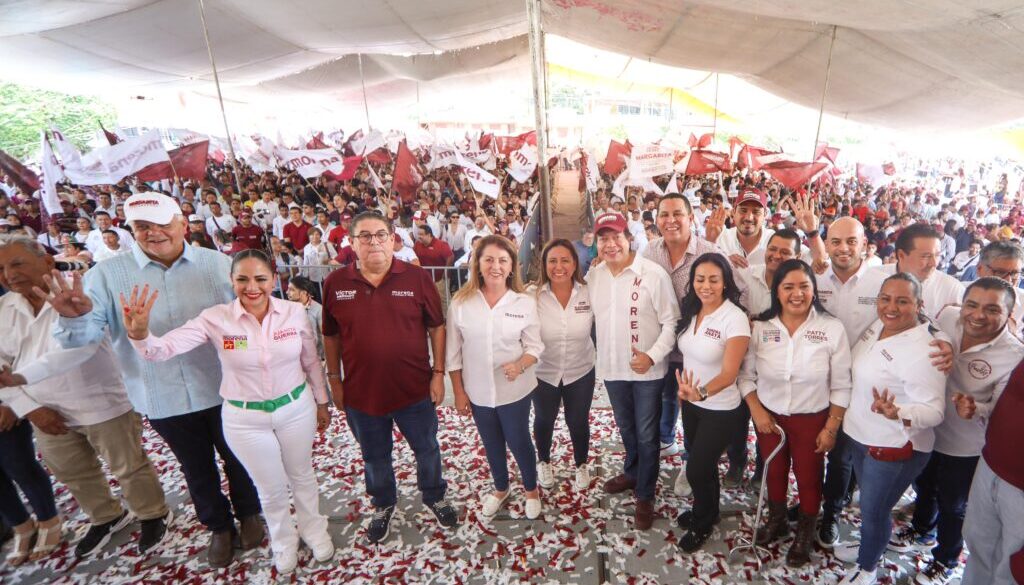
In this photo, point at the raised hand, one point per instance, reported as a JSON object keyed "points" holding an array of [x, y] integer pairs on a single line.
{"points": [[688, 384], [715, 224], [885, 404], [803, 213], [68, 301], [136, 311], [965, 406]]}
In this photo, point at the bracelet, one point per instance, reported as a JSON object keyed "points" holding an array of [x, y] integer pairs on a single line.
{"points": [[837, 418], [437, 371], [330, 375]]}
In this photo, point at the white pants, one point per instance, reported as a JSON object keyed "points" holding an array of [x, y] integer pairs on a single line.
{"points": [[276, 449], [993, 528]]}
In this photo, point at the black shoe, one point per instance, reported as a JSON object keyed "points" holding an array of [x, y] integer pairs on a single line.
{"points": [[828, 532], [685, 520], [154, 531], [445, 513], [693, 540], [99, 535], [380, 524], [734, 477], [793, 513]]}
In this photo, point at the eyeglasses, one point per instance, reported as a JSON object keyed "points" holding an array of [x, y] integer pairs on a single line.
{"points": [[1009, 275], [380, 237]]}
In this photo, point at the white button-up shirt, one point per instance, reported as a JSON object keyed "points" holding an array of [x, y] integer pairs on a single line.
{"points": [[802, 373], [635, 308], [980, 372], [568, 348], [729, 242], [937, 291], [481, 338], [757, 294], [703, 348], [83, 384], [855, 301], [899, 363]]}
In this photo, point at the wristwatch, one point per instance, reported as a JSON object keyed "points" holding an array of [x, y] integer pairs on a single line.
{"points": [[702, 391]]}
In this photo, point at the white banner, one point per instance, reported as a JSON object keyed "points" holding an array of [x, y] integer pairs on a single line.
{"points": [[393, 139], [51, 174], [369, 143], [337, 138], [108, 165], [374, 179], [481, 180], [69, 155], [311, 163], [441, 155], [649, 160], [522, 163], [191, 138], [479, 156], [417, 137]]}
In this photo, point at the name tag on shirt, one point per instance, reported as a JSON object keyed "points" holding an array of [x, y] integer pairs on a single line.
{"points": [[236, 342], [979, 369], [816, 336], [582, 307], [282, 334], [771, 336], [867, 301], [403, 293], [712, 333], [344, 295]]}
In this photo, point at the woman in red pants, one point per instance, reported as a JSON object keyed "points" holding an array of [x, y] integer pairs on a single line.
{"points": [[796, 375]]}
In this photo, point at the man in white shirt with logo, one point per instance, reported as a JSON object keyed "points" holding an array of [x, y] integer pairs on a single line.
{"points": [[745, 243], [635, 313], [917, 252], [103, 223]]}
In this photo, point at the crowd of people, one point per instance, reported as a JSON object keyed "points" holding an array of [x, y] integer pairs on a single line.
{"points": [[872, 336]]}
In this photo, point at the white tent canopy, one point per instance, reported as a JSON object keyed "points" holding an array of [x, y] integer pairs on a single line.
{"points": [[936, 65]]}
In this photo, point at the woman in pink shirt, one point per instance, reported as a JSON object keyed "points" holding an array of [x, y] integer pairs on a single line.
{"points": [[268, 355]]}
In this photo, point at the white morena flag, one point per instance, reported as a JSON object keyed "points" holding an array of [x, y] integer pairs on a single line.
{"points": [[336, 138], [108, 165], [69, 155], [311, 163], [522, 163], [650, 160], [481, 180], [393, 138], [191, 137], [441, 155], [374, 179], [592, 172], [418, 137], [52, 172], [369, 142]]}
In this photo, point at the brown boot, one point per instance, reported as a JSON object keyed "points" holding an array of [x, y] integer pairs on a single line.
{"points": [[775, 526], [250, 532], [619, 484], [800, 551], [220, 551], [644, 514]]}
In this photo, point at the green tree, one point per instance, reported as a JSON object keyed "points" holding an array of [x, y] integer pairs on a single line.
{"points": [[24, 111]]}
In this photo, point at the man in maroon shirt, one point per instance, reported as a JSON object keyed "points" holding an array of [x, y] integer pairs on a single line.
{"points": [[296, 231], [246, 234], [376, 319], [341, 230], [434, 252], [994, 526]]}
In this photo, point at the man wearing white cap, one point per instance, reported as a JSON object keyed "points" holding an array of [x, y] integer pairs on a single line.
{"points": [[180, 396]]}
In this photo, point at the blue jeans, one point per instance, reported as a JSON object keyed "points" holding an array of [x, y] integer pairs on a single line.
{"points": [[637, 409], [669, 405], [836, 493], [507, 425], [418, 424], [942, 490], [881, 485], [18, 465]]}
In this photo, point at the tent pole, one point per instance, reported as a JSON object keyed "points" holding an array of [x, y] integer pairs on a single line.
{"points": [[824, 91], [220, 99], [540, 97], [714, 125], [362, 80]]}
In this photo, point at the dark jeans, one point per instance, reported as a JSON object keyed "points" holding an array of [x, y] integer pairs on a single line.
{"points": [[637, 410], [837, 491], [737, 449], [882, 483], [507, 425], [942, 490], [18, 465], [418, 424], [669, 405], [195, 439], [577, 397], [710, 433]]}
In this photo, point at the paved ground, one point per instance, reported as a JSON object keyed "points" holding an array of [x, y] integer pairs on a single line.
{"points": [[583, 537]]}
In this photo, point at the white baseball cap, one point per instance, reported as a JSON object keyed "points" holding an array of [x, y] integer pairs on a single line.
{"points": [[152, 207]]}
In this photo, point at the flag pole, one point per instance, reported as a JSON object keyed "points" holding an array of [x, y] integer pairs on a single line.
{"points": [[714, 126], [540, 97], [362, 81], [824, 91], [220, 99]]}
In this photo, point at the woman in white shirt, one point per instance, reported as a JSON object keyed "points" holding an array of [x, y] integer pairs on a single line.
{"points": [[493, 341], [796, 375], [565, 372], [898, 399], [713, 340]]}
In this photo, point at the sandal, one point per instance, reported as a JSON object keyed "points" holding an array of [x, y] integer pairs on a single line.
{"points": [[22, 547], [44, 547]]}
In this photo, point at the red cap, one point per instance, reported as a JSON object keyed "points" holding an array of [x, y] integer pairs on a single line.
{"points": [[753, 195], [610, 221]]}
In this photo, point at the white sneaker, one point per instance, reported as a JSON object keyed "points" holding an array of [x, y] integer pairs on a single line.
{"points": [[669, 449], [682, 486], [533, 508], [582, 477], [846, 551], [492, 504], [285, 561], [858, 576], [545, 475], [323, 551]]}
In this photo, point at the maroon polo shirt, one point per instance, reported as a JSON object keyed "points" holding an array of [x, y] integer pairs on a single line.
{"points": [[1005, 433], [384, 343], [298, 235], [249, 237], [438, 253], [337, 235]]}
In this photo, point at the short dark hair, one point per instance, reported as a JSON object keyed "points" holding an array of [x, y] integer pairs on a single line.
{"points": [[905, 241], [426, 229], [98, 213], [366, 216], [788, 234], [685, 200], [993, 283]]}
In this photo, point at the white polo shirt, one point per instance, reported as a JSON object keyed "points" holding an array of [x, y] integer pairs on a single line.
{"points": [[938, 290], [982, 372], [853, 302], [703, 348], [899, 363], [729, 242], [481, 339], [757, 296], [636, 308], [568, 349], [799, 374]]}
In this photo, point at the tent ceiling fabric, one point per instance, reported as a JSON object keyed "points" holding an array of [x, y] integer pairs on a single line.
{"points": [[939, 65]]}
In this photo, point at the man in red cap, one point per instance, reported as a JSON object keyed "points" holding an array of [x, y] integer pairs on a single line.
{"points": [[246, 234], [745, 243]]}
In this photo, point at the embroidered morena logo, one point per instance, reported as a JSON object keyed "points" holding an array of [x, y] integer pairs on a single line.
{"points": [[887, 355], [515, 316], [281, 334], [402, 293], [146, 202], [582, 307], [236, 342], [344, 295], [979, 369], [867, 301]]}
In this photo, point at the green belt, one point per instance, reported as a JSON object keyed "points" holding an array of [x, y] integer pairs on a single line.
{"points": [[272, 404]]}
